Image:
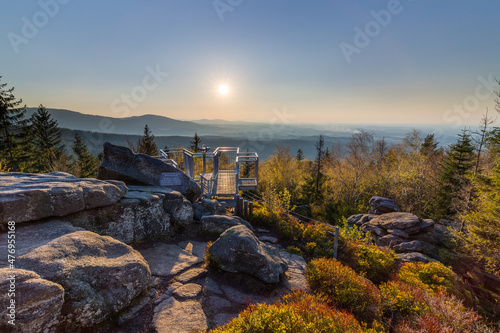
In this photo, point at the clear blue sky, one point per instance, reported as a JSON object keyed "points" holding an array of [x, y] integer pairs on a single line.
{"points": [[420, 65]]}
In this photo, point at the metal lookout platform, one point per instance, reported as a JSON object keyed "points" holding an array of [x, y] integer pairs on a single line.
{"points": [[221, 173]]}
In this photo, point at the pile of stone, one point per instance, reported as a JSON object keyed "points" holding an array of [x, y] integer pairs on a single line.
{"points": [[412, 238]]}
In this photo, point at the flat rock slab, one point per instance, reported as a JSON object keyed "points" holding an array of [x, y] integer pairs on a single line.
{"points": [[191, 275], [168, 260], [400, 221], [32, 236], [30, 197], [173, 316], [295, 275], [187, 291]]}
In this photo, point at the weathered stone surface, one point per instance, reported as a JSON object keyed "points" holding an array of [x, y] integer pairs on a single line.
{"points": [[391, 240], [29, 236], [30, 197], [168, 260], [174, 203], [187, 291], [383, 204], [400, 221], [367, 227], [191, 275], [204, 207], [120, 163], [399, 233], [439, 235], [413, 246], [38, 302], [217, 224], [99, 274], [424, 225], [215, 303], [268, 239], [137, 217], [239, 251], [295, 274], [173, 316], [359, 219], [412, 257]]}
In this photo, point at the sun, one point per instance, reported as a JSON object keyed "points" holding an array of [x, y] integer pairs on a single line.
{"points": [[223, 89]]}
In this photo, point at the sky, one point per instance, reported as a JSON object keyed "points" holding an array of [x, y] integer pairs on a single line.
{"points": [[322, 61]]}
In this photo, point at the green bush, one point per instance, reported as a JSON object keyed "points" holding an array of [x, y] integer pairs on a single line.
{"points": [[402, 298], [344, 288], [295, 313], [432, 276], [373, 262]]}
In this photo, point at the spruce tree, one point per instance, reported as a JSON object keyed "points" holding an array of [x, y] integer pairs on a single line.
{"points": [[147, 144], [13, 130], [47, 146], [429, 146], [452, 176], [300, 155], [195, 143], [318, 174], [84, 164]]}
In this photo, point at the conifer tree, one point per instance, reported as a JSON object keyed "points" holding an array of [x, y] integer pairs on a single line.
{"points": [[195, 143], [13, 129], [300, 155], [318, 175], [47, 146], [84, 164], [147, 144], [429, 146], [452, 175]]}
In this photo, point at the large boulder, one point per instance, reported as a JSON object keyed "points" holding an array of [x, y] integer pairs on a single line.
{"points": [[30, 236], [359, 219], [217, 224], [37, 303], [238, 250], [383, 205], [204, 207], [29, 197], [100, 275], [120, 163], [137, 217], [402, 221]]}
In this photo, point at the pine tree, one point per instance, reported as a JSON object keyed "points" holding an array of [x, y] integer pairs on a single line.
{"points": [[300, 155], [453, 180], [146, 144], [13, 129], [318, 175], [483, 224], [84, 164], [47, 146], [195, 143]]}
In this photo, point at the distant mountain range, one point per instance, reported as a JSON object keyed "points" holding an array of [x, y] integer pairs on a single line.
{"points": [[260, 137]]}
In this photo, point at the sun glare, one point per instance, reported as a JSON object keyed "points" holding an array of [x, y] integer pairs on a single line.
{"points": [[223, 89]]}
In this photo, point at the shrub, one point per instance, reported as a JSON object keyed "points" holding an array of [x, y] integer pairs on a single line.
{"points": [[402, 298], [432, 276], [310, 247], [446, 314], [373, 262], [294, 250], [295, 313], [343, 288]]}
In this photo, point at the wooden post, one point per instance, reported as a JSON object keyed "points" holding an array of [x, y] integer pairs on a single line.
{"points": [[250, 210], [240, 204], [336, 242], [245, 209]]}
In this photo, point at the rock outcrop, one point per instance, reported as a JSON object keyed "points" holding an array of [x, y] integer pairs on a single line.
{"points": [[30, 197], [411, 237], [217, 224], [120, 163], [382, 205], [100, 275], [140, 215], [37, 302], [204, 207], [238, 250]]}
